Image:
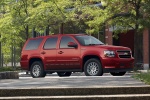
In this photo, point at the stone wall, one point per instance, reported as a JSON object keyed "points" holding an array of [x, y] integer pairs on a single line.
{"points": [[9, 75]]}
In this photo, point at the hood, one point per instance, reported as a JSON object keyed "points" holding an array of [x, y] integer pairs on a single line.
{"points": [[111, 47]]}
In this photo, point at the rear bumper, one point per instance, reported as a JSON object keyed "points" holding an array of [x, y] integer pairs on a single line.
{"points": [[24, 65]]}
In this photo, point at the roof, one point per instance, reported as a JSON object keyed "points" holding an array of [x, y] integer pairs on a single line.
{"points": [[58, 35]]}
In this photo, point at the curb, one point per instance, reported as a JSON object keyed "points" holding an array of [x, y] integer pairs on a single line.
{"points": [[87, 97], [74, 91]]}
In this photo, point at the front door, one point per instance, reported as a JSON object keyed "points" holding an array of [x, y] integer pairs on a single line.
{"points": [[68, 58]]}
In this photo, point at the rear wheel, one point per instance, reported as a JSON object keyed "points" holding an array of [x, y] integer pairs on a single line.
{"points": [[117, 73], [37, 70], [93, 67], [64, 74]]}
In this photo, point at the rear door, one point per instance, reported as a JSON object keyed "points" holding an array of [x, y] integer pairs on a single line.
{"points": [[68, 58], [49, 52]]}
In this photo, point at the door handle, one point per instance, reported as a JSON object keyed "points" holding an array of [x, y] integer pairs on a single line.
{"points": [[60, 52], [43, 52]]}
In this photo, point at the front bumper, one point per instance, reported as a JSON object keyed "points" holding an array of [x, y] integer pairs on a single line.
{"points": [[117, 64]]}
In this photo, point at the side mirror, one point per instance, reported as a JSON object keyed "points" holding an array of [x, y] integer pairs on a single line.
{"points": [[72, 44]]}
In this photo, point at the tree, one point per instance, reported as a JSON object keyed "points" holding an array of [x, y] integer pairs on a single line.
{"points": [[47, 14], [124, 15], [19, 17], [128, 14]]}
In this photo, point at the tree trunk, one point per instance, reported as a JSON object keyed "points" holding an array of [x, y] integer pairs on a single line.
{"points": [[149, 47], [61, 29], [2, 59], [12, 54], [0, 54], [14, 57], [138, 37], [27, 32], [138, 52], [33, 32], [47, 30]]}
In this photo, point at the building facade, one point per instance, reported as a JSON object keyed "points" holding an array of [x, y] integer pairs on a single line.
{"points": [[127, 39]]}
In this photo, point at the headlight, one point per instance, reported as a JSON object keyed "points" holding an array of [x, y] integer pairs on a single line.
{"points": [[109, 53]]}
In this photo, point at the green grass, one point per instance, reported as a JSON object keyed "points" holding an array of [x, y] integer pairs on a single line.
{"points": [[144, 77]]}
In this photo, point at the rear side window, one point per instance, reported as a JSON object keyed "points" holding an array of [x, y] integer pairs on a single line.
{"points": [[33, 44], [51, 43]]}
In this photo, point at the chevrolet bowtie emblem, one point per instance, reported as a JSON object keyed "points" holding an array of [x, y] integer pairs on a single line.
{"points": [[125, 53]]}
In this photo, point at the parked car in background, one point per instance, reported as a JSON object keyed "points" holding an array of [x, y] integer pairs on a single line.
{"points": [[67, 53]]}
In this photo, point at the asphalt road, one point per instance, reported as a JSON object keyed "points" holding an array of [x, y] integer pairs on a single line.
{"points": [[76, 80]]}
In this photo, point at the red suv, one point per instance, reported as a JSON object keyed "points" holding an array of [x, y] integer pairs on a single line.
{"points": [[67, 53]]}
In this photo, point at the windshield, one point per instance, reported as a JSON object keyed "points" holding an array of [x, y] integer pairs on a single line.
{"points": [[88, 40]]}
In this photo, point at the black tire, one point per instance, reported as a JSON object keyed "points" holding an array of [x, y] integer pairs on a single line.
{"points": [[117, 73], [64, 74], [37, 70], [97, 69]]}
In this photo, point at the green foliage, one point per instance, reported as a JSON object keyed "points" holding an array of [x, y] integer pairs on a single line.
{"points": [[3, 69], [144, 77], [19, 17]]}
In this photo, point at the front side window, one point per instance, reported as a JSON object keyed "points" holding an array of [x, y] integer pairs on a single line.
{"points": [[51, 43], [64, 42], [33, 44], [86, 40]]}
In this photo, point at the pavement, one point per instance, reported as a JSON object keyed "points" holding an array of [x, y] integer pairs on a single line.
{"points": [[76, 80]]}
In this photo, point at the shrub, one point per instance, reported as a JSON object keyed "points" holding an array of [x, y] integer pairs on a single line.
{"points": [[144, 77], [2, 69]]}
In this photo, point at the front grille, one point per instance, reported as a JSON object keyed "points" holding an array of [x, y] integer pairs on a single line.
{"points": [[124, 53]]}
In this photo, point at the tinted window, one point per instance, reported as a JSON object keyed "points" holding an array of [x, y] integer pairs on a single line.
{"points": [[51, 43], [33, 44], [88, 40], [64, 42]]}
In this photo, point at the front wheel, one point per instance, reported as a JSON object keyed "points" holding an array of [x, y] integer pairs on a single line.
{"points": [[117, 73], [64, 74], [93, 67], [37, 70]]}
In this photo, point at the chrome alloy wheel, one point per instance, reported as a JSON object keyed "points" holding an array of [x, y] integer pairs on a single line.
{"points": [[36, 70], [92, 68]]}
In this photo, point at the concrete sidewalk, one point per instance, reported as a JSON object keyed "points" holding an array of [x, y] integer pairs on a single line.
{"points": [[76, 80], [76, 87]]}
